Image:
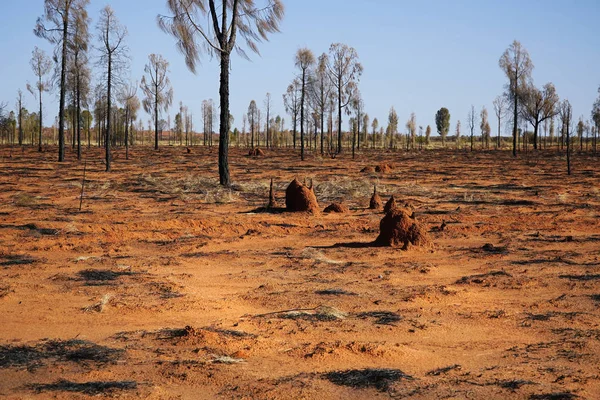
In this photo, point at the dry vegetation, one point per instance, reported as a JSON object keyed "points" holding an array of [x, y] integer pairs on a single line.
{"points": [[166, 285]]}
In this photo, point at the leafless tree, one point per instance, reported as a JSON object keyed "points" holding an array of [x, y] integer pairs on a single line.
{"points": [[392, 128], [538, 106], [374, 126], [79, 71], [500, 108], [60, 14], [252, 120], [207, 26], [20, 116], [291, 101], [517, 66], [596, 118], [321, 92], [41, 66], [358, 106], [472, 121], [344, 71], [304, 60], [411, 128], [457, 134], [565, 112], [268, 105], [156, 86], [131, 104], [484, 126], [113, 57]]}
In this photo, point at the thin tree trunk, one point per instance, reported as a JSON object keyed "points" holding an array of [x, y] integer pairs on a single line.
{"points": [[41, 123], [107, 139]]}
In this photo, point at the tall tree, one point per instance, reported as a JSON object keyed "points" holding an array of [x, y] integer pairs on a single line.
{"points": [[156, 86], [131, 105], [217, 26], [41, 66], [358, 106], [252, 120], [344, 71], [304, 60], [113, 57], [517, 66], [442, 123], [484, 126], [268, 105], [596, 119], [321, 92], [291, 101], [457, 134], [580, 131], [20, 116], [411, 128], [59, 15], [500, 105], [538, 106], [79, 71], [392, 126], [374, 126], [472, 121], [565, 112]]}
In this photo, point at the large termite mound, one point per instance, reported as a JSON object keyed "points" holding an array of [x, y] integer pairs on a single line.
{"points": [[397, 228], [300, 198], [336, 208], [375, 203]]}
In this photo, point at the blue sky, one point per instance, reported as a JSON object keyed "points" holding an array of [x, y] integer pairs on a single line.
{"points": [[417, 56]]}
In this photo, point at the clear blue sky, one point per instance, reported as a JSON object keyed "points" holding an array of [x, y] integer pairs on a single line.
{"points": [[417, 55]]}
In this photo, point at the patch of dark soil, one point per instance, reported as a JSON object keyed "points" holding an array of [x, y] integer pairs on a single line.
{"points": [[514, 384], [490, 248], [335, 292], [99, 277], [482, 278], [554, 396], [381, 317], [89, 388], [583, 278], [380, 379], [77, 351], [8, 260], [443, 370]]}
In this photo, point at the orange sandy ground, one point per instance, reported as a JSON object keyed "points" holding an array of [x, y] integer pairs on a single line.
{"points": [[169, 248]]}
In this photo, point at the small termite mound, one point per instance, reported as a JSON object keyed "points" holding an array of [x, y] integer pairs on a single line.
{"points": [[256, 152], [397, 228], [300, 198], [375, 203], [391, 205], [336, 208], [368, 170], [384, 168]]}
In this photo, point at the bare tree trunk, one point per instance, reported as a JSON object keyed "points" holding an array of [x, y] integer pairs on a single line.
{"points": [[302, 115], [339, 114], [107, 139], [41, 123], [156, 116], [224, 123], [78, 113]]}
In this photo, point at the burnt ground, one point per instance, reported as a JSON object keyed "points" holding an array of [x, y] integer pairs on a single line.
{"points": [[167, 286]]}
